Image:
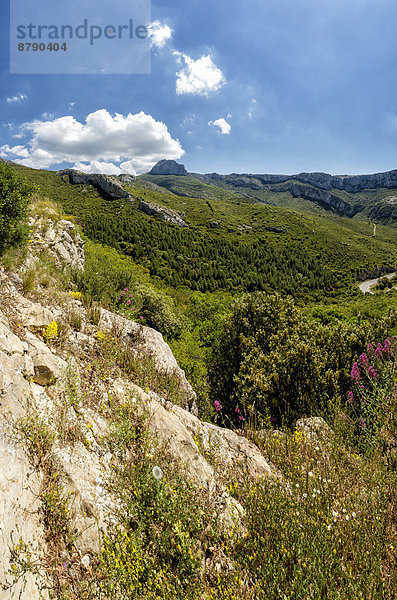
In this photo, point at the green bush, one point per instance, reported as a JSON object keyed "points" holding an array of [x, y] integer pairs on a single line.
{"points": [[273, 361], [14, 198]]}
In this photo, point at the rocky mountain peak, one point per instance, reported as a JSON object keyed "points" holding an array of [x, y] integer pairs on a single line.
{"points": [[168, 167]]}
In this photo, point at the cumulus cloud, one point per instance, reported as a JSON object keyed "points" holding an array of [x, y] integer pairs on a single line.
{"points": [[159, 34], [199, 76], [103, 143], [16, 99], [223, 126]]}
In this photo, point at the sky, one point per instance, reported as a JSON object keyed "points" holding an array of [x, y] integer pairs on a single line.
{"points": [[254, 86]]}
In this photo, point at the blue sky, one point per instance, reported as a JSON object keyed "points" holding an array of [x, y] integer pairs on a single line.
{"points": [[265, 86]]}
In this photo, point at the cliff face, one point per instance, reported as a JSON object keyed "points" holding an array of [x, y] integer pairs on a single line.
{"points": [[106, 184], [324, 181], [56, 411]]}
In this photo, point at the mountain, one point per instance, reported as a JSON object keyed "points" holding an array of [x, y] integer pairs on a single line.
{"points": [[344, 195], [187, 231]]}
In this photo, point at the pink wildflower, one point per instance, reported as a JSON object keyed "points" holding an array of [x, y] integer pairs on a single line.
{"points": [[355, 374], [217, 406]]}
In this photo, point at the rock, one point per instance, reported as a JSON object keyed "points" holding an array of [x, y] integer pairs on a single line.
{"points": [[276, 229], [106, 184], [214, 224], [19, 517], [168, 167], [46, 367], [125, 178], [166, 214], [314, 428], [149, 342], [60, 240], [10, 343], [34, 315]]}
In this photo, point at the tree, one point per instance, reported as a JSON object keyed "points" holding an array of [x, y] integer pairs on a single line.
{"points": [[14, 198]]}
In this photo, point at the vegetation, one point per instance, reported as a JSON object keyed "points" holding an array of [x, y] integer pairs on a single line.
{"points": [[263, 346], [14, 198]]}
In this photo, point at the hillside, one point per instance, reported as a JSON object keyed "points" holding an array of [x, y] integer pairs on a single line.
{"points": [[296, 247], [122, 482]]}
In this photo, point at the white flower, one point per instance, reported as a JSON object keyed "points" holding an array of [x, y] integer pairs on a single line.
{"points": [[343, 510], [157, 473], [310, 473], [324, 481], [85, 561], [304, 495], [328, 527], [353, 514], [297, 485], [317, 448], [347, 517], [335, 513], [297, 513]]}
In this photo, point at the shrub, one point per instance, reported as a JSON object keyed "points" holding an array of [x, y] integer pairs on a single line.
{"points": [[14, 197], [272, 361]]}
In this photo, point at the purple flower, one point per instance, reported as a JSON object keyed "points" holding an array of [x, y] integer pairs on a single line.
{"points": [[387, 346], [344, 416], [370, 349], [355, 374], [128, 301], [217, 406], [363, 360], [379, 350], [372, 373], [362, 422], [350, 397], [141, 317], [130, 295]]}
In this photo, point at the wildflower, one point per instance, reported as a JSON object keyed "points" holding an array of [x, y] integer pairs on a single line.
{"points": [[217, 406], [379, 350], [362, 422], [353, 514], [328, 527], [85, 561], [355, 373], [370, 349], [350, 397], [363, 360], [347, 517], [128, 301], [310, 473], [297, 485], [335, 514], [372, 373], [387, 346], [304, 495], [157, 473]]}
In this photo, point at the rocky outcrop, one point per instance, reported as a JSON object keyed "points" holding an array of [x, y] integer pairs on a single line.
{"points": [[61, 241], [166, 214], [105, 184], [323, 198], [149, 342], [168, 167]]}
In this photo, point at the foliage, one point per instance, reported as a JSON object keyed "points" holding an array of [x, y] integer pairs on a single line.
{"points": [[15, 193], [272, 360]]}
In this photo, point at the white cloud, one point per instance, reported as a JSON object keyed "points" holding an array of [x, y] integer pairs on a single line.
{"points": [[223, 126], [16, 151], [71, 105], [115, 143], [98, 166], [199, 76], [16, 99], [48, 116], [159, 34]]}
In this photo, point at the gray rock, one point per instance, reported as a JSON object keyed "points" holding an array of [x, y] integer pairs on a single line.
{"points": [[168, 167], [166, 214], [106, 184]]}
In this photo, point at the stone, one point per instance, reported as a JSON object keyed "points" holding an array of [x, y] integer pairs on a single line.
{"points": [[166, 214], [46, 368], [314, 428], [107, 185], [35, 315], [168, 167]]}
